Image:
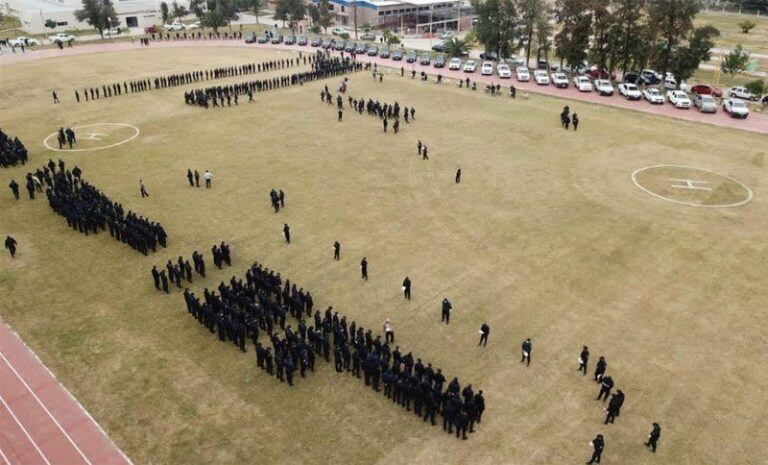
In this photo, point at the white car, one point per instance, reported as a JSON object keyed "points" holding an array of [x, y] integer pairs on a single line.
{"points": [[470, 66], [679, 99], [604, 87], [559, 80], [653, 95], [337, 31], [522, 74], [455, 63], [504, 71], [190, 26], [630, 91], [61, 37], [741, 92], [736, 108], [541, 77], [670, 82], [487, 68], [22, 40], [173, 27], [582, 83]]}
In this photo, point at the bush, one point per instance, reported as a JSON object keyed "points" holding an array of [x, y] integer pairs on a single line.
{"points": [[747, 26], [344, 36], [315, 28], [756, 87]]}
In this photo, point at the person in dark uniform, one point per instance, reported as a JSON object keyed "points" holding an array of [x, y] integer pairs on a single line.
{"points": [[446, 311], [614, 406], [364, 268], [485, 330], [190, 178], [583, 360], [575, 122], [156, 277], [385, 124], [396, 126], [197, 179], [14, 188], [142, 189], [287, 233], [480, 402], [55, 97], [424, 155], [653, 437], [341, 114], [458, 175], [336, 250], [407, 288], [164, 280], [597, 445], [10, 244], [600, 369], [418, 145], [526, 349], [77, 96], [462, 423], [605, 388]]}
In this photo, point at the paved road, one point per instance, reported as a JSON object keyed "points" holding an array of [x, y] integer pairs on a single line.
{"points": [[756, 122]]}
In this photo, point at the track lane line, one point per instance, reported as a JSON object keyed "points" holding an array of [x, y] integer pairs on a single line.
{"points": [[26, 433]]}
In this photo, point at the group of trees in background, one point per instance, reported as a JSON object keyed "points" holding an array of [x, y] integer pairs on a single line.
{"points": [[98, 13], [610, 34]]}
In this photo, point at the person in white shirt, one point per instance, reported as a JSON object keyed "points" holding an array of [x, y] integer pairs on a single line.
{"points": [[207, 176]]}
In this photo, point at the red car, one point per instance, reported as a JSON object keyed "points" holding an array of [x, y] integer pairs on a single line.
{"points": [[150, 30], [596, 73], [706, 89]]}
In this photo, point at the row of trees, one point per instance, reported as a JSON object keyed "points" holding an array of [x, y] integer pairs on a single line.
{"points": [[611, 34]]}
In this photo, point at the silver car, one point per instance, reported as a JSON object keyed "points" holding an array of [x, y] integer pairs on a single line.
{"points": [[705, 103]]}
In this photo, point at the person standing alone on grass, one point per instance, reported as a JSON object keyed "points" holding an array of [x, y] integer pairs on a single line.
{"points": [[458, 175], [287, 233], [527, 347], [364, 268], [575, 122], [10, 244], [424, 155], [142, 189], [407, 288], [207, 176], [653, 438], [336, 250], [597, 445], [14, 188], [446, 311], [190, 178], [485, 330]]}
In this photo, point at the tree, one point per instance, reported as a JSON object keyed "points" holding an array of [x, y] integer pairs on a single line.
{"points": [[572, 41], [50, 24], [178, 11], [735, 62], [214, 19], [747, 26], [543, 31], [390, 38], [254, 5], [98, 13], [531, 12], [496, 26], [325, 16], [626, 31], [164, 12], [290, 10], [196, 7], [602, 23], [456, 47], [687, 58], [674, 19]]}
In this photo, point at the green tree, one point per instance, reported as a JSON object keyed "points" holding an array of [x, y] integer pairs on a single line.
{"points": [[314, 13], [214, 19], [735, 62], [674, 20], [164, 12], [178, 11], [602, 24], [326, 16], [572, 41], [687, 57], [50, 24], [626, 30], [496, 26], [254, 5], [747, 26], [543, 31], [196, 7], [456, 47], [98, 13], [531, 12], [290, 10]]}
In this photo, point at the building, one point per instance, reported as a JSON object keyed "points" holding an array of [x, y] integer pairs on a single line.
{"points": [[34, 13], [396, 14]]}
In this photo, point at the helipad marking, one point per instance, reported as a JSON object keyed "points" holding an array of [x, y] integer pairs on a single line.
{"points": [[94, 136], [690, 204]]}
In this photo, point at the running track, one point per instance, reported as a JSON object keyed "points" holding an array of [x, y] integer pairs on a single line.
{"points": [[756, 122], [40, 422]]}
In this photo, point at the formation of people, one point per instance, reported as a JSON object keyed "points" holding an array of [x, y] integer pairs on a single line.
{"points": [[65, 137], [181, 270], [566, 119], [277, 199], [194, 178], [321, 68], [384, 111], [12, 151]]}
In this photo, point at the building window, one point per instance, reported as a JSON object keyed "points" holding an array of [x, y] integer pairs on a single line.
{"points": [[342, 8], [62, 23]]}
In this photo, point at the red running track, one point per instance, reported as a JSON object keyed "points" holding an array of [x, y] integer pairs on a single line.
{"points": [[41, 423], [756, 122]]}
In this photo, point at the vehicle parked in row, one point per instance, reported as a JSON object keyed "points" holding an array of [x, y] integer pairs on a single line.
{"points": [[454, 64], [277, 39], [736, 108], [582, 84], [373, 51], [173, 27], [705, 103], [650, 77], [411, 57], [425, 59], [301, 40], [316, 42], [489, 56], [670, 82], [438, 47], [653, 95], [150, 29], [290, 40], [706, 89], [633, 77], [350, 46], [560, 80], [541, 77], [439, 61], [262, 39], [487, 68], [192, 26], [679, 99], [514, 62], [470, 66], [23, 40], [368, 36], [742, 93], [604, 87], [340, 45], [397, 54], [522, 74], [327, 43], [630, 91], [542, 64], [338, 30], [504, 71], [384, 52], [62, 37], [250, 38], [360, 49], [597, 73]]}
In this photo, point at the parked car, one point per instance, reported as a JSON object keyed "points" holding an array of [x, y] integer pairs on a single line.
{"points": [[630, 91], [741, 92], [316, 42], [522, 74], [150, 29], [425, 59], [439, 61], [679, 99], [327, 43], [650, 77], [597, 73], [560, 80], [290, 40], [262, 38], [397, 54], [736, 108], [411, 57], [360, 49], [277, 39], [61, 37], [514, 62], [541, 77], [340, 45], [373, 51], [705, 103], [603, 87], [192, 25], [368, 36], [486, 69], [706, 89], [633, 78], [670, 82], [350, 46], [384, 52], [454, 64], [439, 47], [250, 38], [469, 66], [582, 83], [173, 27], [653, 95], [23, 40], [489, 56], [301, 40], [542, 64], [337, 31], [503, 71]]}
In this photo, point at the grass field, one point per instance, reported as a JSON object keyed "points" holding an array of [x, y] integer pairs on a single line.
{"points": [[755, 41], [546, 237]]}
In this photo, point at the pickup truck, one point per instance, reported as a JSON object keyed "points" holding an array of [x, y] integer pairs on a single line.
{"points": [[25, 41], [61, 37]]}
